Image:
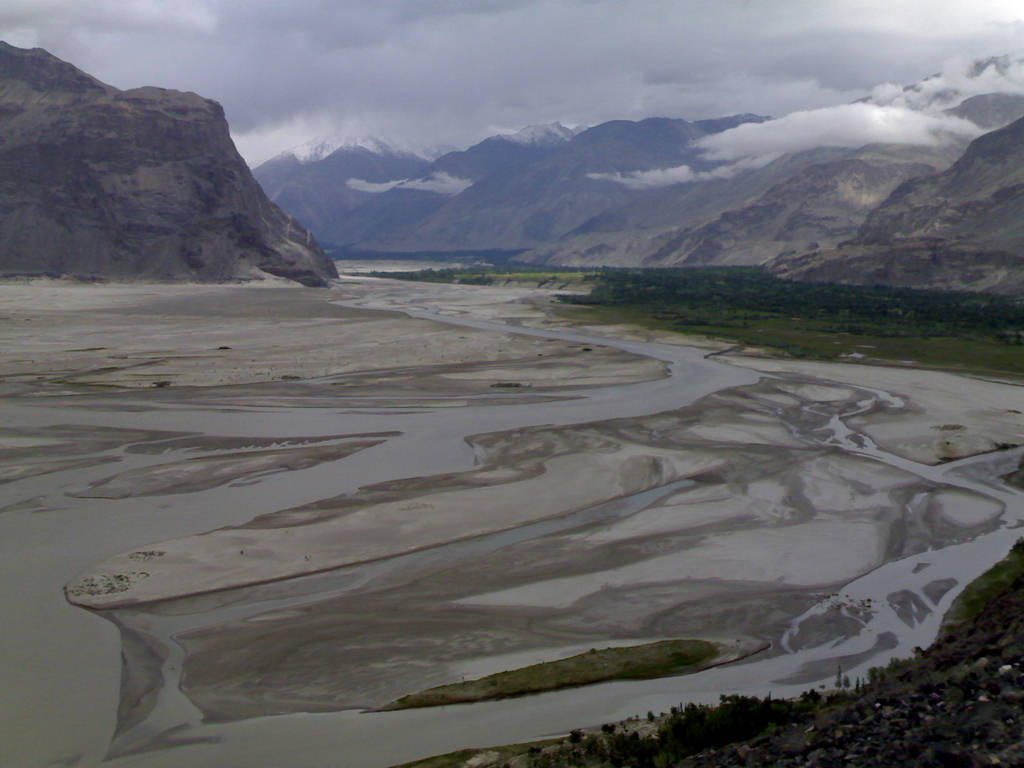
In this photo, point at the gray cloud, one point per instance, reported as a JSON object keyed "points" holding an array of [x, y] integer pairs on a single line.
{"points": [[848, 125], [454, 71], [683, 174], [891, 114], [440, 183]]}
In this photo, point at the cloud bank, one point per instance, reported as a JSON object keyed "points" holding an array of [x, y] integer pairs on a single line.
{"points": [[440, 183], [848, 125], [682, 174], [450, 71], [891, 114], [960, 78]]}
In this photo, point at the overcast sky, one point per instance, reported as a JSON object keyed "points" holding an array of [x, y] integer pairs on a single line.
{"points": [[454, 71]]}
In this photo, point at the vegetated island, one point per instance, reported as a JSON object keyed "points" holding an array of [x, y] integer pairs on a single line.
{"points": [[956, 704], [976, 332], [635, 662]]}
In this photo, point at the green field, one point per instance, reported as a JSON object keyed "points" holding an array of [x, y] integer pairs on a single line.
{"points": [[636, 662], [806, 339]]}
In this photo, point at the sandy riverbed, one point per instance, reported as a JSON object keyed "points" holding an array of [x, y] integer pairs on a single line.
{"points": [[358, 547], [146, 336]]}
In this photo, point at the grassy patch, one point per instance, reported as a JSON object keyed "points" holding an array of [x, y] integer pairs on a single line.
{"points": [[983, 590], [815, 341], [637, 662]]}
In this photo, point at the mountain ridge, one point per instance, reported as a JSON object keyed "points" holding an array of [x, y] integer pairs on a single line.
{"points": [[961, 227], [515, 194]]}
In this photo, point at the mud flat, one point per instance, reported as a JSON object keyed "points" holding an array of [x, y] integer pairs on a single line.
{"points": [[289, 501]]}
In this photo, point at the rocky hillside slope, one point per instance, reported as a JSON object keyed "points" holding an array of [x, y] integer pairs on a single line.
{"points": [[961, 228], [812, 200], [145, 183]]}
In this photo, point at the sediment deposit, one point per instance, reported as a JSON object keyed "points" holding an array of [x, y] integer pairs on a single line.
{"points": [[285, 504]]}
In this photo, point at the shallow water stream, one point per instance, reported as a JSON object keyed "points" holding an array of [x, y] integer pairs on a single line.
{"points": [[61, 664]]}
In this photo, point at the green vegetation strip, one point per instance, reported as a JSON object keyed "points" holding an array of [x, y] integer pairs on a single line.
{"points": [[965, 331], [637, 662]]}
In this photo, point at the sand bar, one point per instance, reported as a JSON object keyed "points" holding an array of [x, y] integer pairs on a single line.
{"points": [[766, 464]]}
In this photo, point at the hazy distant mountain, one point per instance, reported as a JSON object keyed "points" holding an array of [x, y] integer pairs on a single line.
{"points": [[511, 191], [654, 192], [804, 201], [323, 146], [990, 110], [317, 191], [810, 200], [823, 204], [961, 228], [549, 134], [142, 183], [357, 195]]}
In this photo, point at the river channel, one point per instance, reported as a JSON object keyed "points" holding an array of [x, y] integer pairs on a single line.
{"points": [[62, 665]]}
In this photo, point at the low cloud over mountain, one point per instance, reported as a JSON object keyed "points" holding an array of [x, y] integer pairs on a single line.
{"points": [[440, 182], [849, 125], [682, 174], [456, 71]]}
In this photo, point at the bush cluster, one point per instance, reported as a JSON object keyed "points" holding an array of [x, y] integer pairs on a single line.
{"points": [[686, 731]]}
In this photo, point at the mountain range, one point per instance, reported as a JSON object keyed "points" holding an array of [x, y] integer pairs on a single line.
{"points": [[99, 182], [663, 192], [918, 185], [513, 192]]}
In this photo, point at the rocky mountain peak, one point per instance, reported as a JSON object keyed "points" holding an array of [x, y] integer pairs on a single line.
{"points": [[547, 134], [36, 70], [99, 182]]}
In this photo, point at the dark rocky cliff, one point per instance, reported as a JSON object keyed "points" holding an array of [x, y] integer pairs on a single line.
{"points": [[146, 183]]}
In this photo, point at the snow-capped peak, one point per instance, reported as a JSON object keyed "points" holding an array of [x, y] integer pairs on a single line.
{"points": [[319, 148], [550, 133]]}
